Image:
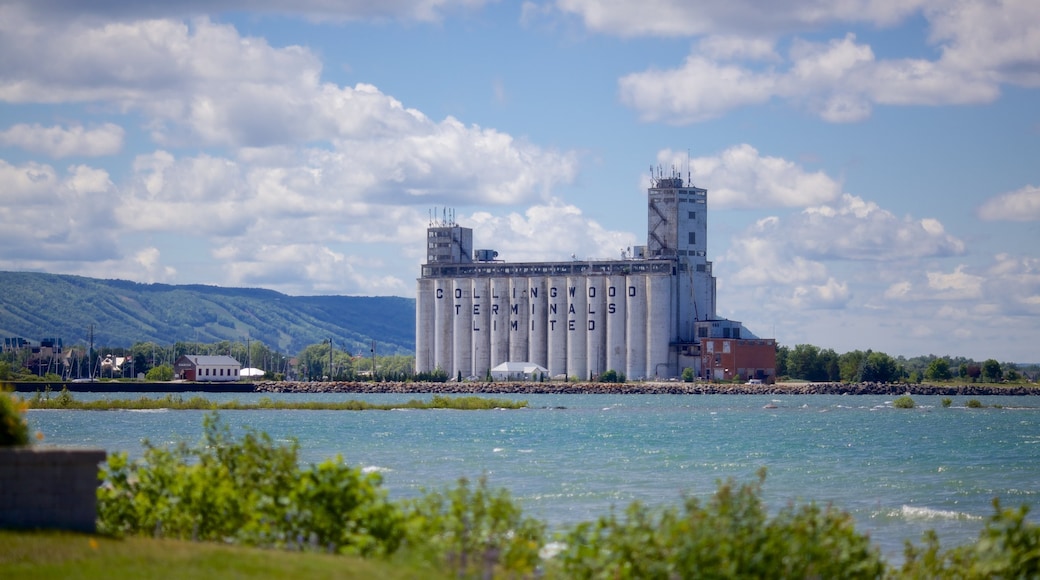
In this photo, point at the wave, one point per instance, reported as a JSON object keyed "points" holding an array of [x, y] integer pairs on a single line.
{"points": [[163, 410], [925, 513], [375, 469]]}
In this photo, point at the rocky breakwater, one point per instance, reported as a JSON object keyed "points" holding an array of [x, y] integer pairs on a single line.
{"points": [[642, 388]]}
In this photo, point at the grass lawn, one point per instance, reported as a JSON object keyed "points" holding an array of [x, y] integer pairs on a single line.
{"points": [[40, 555]]}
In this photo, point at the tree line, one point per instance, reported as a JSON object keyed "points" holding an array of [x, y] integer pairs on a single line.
{"points": [[328, 360], [154, 362], [812, 363]]}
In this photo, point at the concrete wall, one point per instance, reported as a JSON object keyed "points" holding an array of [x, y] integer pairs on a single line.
{"points": [[49, 488]]}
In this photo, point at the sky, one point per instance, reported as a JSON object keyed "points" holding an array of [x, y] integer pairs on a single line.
{"points": [[872, 166]]}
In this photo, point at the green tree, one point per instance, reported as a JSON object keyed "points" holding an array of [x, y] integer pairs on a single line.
{"points": [[879, 368], [803, 363], [991, 371], [162, 372], [938, 370], [782, 353], [850, 365], [828, 368]]}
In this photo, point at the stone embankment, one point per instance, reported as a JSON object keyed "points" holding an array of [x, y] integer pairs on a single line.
{"points": [[646, 388]]}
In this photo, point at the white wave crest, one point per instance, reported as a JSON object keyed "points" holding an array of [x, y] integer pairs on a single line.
{"points": [[926, 513], [374, 469]]}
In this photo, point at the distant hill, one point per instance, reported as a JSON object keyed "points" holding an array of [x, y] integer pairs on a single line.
{"points": [[35, 306]]}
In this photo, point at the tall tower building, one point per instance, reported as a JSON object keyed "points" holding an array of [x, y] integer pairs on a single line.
{"points": [[677, 229], [648, 315]]}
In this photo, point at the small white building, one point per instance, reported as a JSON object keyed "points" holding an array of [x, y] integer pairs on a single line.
{"points": [[519, 371], [203, 368]]}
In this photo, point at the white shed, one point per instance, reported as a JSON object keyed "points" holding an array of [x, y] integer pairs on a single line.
{"points": [[519, 371]]}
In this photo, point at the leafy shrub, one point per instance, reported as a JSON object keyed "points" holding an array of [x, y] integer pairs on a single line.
{"points": [[475, 531], [946, 401], [163, 372], [974, 404], [1008, 547], [904, 402], [731, 536], [14, 429], [612, 376], [247, 490]]}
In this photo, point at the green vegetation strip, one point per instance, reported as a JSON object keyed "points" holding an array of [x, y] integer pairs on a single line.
{"points": [[43, 555], [65, 400]]}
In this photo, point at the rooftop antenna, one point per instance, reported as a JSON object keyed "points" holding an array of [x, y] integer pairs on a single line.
{"points": [[689, 180]]}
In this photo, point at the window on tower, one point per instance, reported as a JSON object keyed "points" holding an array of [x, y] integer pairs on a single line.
{"points": [[693, 238]]}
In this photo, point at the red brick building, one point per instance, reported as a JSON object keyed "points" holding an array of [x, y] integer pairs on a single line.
{"points": [[724, 359]]}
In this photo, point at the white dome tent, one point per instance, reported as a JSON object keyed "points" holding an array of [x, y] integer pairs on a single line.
{"points": [[519, 371]]}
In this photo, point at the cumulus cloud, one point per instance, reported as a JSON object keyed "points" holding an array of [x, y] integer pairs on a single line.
{"points": [[57, 142], [956, 285], [855, 229], [749, 17], [981, 45], [1022, 205], [49, 215], [823, 256], [1009, 286], [298, 175], [550, 231], [830, 294], [317, 10], [742, 178], [840, 81]]}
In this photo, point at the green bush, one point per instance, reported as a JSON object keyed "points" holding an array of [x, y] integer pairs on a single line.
{"points": [[904, 402], [730, 536], [163, 372], [475, 531], [14, 429], [974, 404], [946, 402], [612, 376], [1008, 547], [248, 491]]}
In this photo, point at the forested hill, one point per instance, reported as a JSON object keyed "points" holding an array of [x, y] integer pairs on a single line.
{"points": [[35, 306]]}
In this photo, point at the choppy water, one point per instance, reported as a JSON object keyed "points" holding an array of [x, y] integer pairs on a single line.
{"points": [[570, 458]]}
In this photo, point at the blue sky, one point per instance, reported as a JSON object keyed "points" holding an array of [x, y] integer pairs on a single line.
{"points": [[872, 167]]}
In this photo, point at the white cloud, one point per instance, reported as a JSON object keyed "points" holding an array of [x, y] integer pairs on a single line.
{"points": [[722, 47], [1013, 283], [57, 141], [848, 255], [700, 90], [957, 285], [855, 229], [840, 81], [750, 17], [316, 10], [982, 45], [1022, 205], [547, 232], [742, 178], [831, 294], [47, 215]]}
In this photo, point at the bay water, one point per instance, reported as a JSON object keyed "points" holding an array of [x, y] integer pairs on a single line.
{"points": [[572, 458]]}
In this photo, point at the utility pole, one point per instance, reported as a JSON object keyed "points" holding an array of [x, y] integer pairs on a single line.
{"points": [[91, 355], [373, 360]]}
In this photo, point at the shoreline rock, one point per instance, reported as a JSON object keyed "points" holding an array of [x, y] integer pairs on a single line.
{"points": [[645, 388]]}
